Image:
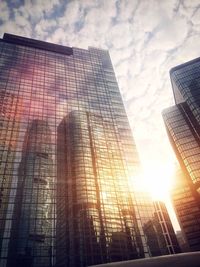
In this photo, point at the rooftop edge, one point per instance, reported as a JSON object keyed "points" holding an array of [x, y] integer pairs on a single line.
{"points": [[15, 39], [183, 65]]}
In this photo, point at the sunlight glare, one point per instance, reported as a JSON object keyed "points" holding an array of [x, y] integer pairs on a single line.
{"points": [[155, 179]]}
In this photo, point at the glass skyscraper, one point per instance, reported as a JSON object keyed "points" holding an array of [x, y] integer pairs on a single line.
{"points": [[67, 156], [183, 127]]}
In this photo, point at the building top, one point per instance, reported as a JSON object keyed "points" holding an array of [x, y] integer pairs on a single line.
{"points": [[184, 65], [19, 40]]}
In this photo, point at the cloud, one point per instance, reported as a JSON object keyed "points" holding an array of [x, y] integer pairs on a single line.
{"points": [[44, 28], [35, 9], [196, 16], [169, 36], [126, 10], [4, 11]]}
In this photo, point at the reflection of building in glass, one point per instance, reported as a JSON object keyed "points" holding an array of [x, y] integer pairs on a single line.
{"points": [[32, 231], [98, 214], [182, 241], [183, 127], [9, 116], [160, 236], [69, 202], [170, 242]]}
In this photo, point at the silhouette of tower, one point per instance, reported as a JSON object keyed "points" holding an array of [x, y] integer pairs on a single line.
{"points": [[32, 232]]}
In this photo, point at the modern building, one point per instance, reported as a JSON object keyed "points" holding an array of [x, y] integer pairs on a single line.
{"points": [[158, 229], [182, 123], [69, 154]]}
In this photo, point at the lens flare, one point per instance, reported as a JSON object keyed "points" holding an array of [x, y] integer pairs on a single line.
{"points": [[155, 179]]}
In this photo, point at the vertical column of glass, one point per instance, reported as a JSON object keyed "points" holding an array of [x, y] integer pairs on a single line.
{"points": [[9, 129], [124, 162], [31, 242], [116, 204], [84, 220]]}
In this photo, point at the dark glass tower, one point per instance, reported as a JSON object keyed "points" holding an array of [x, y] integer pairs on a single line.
{"points": [[32, 233], [67, 157], [183, 127]]}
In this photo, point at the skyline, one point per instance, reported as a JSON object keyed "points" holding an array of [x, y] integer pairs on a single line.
{"points": [[142, 46]]}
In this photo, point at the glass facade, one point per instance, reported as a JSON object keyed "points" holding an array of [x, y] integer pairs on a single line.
{"points": [[98, 212], [186, 79], [187, 209], [33, 231], [67, 154], [184, 138], [158, 229], [164, 226], [182, 123]]}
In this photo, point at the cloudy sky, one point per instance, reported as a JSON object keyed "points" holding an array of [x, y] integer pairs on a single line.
{"points": [[145, 39]]}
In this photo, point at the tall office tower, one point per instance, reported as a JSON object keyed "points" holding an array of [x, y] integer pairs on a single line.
{"points": [[182, 123], [68, 200]]}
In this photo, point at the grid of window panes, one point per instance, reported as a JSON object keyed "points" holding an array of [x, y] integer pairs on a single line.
{"points": [[170, 241], [157, 226], [182, 124], [182, 134], [46, 91], [98, 203], [187, 208], [187, 79]]}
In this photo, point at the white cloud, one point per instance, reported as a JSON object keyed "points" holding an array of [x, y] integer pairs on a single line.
{"points": [[126, 10], [170, 35], [191, 4], [119, 32], [196, 17], [10, 26], [4, 11], [188, 50], [34, 10], [72, 14], [44, 27]]}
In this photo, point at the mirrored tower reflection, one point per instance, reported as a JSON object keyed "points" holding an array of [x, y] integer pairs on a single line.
{"points": [[32, 232], [94, 205]]}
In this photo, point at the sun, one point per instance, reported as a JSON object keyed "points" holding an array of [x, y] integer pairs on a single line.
{"points": [[155, 179], [158, 179]]}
